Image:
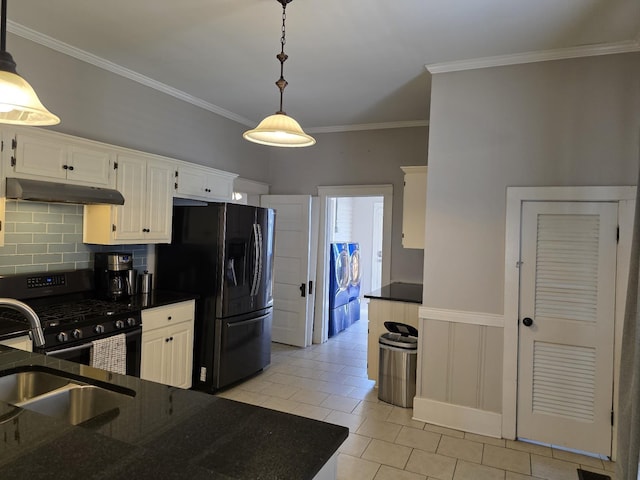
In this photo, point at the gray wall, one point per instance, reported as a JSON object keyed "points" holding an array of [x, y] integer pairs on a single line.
{"points": [[96, 104], [357, 158], [569, 122]]}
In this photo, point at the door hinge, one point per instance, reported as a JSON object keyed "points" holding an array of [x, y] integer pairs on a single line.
{"points": [[303, 289], [2, 146], [113, 227], [115, 165], [176, 175], [618, 234], [310, 287], [175, 186], [612, 418], [13, 160], [14, 144]]}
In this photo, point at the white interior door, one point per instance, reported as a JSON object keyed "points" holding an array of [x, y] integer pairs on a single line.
{"points": [[566, 332], [292, 303], [376, 257]]}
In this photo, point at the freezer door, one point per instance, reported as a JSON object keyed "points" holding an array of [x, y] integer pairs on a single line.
{"points": [[243, 347]]}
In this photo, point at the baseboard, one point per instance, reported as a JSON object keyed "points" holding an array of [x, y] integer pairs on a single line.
{"points": [[448, 415]]}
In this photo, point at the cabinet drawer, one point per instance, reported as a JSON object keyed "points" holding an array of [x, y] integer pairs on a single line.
{"points": [[168, 315]]}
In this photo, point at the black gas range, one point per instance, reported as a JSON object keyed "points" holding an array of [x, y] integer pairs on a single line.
{"points": [[73, 314]]}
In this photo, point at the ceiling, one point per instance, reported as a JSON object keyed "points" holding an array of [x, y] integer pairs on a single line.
{"points": [[353, 64]]}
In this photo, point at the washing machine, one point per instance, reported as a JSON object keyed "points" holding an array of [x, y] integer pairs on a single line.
{"points": [[338, 287], [355, 273]]}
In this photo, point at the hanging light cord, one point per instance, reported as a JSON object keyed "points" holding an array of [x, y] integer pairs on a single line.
{"points": [[3, 32], [282, 57]]}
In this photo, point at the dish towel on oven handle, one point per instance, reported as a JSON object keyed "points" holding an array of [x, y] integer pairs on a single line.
{"points": [[110, 353]]}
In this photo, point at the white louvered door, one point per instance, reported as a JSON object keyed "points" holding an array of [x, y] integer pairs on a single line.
{"points": [[567, 290]]}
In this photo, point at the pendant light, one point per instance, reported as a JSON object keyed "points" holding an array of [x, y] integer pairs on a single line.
{"points": [[279, 129], [19, 104]]}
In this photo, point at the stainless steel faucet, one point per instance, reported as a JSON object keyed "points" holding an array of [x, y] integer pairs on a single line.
{"points": [[34, 322]]}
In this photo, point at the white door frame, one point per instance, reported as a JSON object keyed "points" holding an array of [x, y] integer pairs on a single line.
{"points": [[320, 330], [625, 196]]}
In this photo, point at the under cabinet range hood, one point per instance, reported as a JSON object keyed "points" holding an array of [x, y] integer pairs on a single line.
{"points": [[39, 191]]}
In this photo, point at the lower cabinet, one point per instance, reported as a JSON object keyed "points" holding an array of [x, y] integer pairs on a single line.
{"points": [[21, 343], [167, 344]]}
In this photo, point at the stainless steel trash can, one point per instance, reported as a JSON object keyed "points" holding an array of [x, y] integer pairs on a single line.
{"points": [[397, 366]]}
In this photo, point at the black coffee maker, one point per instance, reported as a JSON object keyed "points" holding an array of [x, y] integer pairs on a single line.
{"points": [[112, 276]]}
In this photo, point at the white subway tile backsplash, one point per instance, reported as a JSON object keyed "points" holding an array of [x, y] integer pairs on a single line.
{"points": [[48, 237]]}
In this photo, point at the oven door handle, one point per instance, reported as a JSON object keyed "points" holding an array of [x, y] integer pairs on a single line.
{"points": [[86, 345]]}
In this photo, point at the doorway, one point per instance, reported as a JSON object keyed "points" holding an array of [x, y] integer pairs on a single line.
{"points": [[359, 214], [517, 307]]}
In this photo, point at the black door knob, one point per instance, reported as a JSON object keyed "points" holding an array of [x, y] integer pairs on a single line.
{"points": [[527, 322]]}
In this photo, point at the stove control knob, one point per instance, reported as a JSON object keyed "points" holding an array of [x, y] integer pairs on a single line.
{"points": [[77, 334], [98, 329], [62, 337], [119, 324], [131, 322]]}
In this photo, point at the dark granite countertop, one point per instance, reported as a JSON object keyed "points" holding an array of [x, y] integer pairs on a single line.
{"points": [[398, 292], [164, 432]]}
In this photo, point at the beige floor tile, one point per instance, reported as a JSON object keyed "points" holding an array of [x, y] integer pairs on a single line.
{"points": [[352, 468], [507, 459], [244, 396], [431, 464], [335, 388], [354, 445], [460, 448], [283, 379], [517, 476], [389, 473], [553, 469], [312, 397], [340, 403], [352, 422], [359, 382], [375, 410], [280, 404], [577, 458], [530, 447], [256, 384], [279, 391], [416, 438], [311, 411], [472, 471], [498, 442], [444, 430], [368, 394], [355, 371], [404, 416], [387, 453], [377, 429]]}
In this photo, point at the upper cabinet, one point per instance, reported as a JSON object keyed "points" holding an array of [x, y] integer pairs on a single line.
{"points": [[203, 183], [146, 183], [43, 155], [414, 206]]}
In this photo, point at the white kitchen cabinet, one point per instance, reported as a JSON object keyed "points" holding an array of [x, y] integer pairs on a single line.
{"points": [[146, 183], [414, 206], [21, 343], [203, 183], [42, 155], [167, 344]]}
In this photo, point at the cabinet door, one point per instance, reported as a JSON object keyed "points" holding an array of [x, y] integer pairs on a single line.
{"points": [[159, 202], [39, 156], [154, 355], [180, 358], [131, 182], [414, 206], [190, 182], [88, 165]]}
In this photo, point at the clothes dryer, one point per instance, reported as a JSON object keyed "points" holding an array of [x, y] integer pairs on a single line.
{"points": [[338, 287]]}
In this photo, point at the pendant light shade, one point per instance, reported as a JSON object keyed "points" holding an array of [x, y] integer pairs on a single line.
{"points": [[19, 104], [280, 130]]}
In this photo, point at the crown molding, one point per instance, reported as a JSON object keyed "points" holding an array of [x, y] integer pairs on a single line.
{"points": [[368, 126], [533, 57], [99, 62]]}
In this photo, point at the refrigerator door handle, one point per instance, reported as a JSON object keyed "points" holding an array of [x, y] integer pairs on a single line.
{"points": [[256, 252], [246, 322], [260, 246]]}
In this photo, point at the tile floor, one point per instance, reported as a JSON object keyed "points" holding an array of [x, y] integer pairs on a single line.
{"points": [[329, 382]]}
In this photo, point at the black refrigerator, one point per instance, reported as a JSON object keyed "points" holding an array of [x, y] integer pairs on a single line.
{"points": [[223, 252]]}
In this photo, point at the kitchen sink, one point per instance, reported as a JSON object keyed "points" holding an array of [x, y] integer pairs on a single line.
{"points": [[60, 394]]}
